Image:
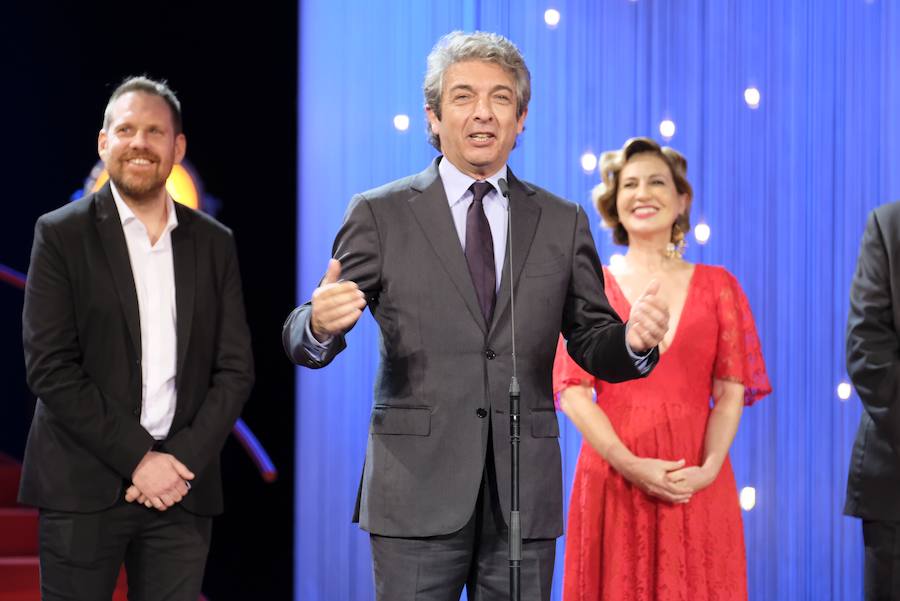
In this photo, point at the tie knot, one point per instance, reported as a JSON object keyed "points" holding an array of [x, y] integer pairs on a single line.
{"points": [[480, 190]]}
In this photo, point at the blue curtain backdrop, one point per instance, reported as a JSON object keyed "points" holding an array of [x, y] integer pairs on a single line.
{"points": [[785, 189]]}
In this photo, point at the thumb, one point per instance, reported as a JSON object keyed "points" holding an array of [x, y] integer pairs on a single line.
{"points": [[652, 288], [674, 465], [182, 470], [333, 273]]}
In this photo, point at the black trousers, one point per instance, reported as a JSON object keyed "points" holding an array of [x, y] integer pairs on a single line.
{"points": [[164, 553], [476, 557], [882, 570]]}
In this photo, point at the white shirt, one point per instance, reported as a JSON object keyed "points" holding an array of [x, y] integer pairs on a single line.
{"points": [[154, 280]]}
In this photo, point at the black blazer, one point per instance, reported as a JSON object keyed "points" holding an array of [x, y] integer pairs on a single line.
{"points": [[82, 339], [444, 373], [873, 363]]}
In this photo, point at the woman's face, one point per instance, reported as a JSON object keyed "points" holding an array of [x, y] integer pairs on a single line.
{"points": [[646, 200]]}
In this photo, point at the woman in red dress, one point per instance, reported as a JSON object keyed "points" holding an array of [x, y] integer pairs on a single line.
{"points": [[654, 513]]}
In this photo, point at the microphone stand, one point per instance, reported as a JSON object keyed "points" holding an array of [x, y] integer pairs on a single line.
{"points": [[515, 526]]}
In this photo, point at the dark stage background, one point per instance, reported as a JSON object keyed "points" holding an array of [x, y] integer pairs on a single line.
{"points": [[235, 72]]}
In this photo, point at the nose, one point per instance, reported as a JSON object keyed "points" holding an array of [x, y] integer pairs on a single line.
{"points": [[483, 111], [642, 190], [139, 139]]}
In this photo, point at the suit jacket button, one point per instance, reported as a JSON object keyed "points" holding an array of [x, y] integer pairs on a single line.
{"points": [[481, 412], [490, 354]]}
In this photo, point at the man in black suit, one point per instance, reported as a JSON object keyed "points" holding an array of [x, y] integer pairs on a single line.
{"points": [[137, 347], [427, 255], [873, 363]]}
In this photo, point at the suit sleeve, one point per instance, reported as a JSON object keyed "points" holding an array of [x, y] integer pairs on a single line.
{"points": [[358, 247], [53, 360], [873, 349], [595, 335], [231, 379]]}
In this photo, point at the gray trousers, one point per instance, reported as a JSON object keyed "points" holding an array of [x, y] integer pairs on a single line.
{"points": [[476, 557]]}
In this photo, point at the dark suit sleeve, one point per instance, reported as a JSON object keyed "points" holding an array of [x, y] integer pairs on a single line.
{"points": [[595, 335], [231, 379], [53, 360], [357, 246], [873, 349]]}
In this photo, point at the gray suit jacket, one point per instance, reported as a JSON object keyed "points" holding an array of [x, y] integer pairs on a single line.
{"points": [[873, 363], [444, 372]]}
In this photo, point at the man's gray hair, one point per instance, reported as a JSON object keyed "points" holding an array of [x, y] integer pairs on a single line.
{"points": [[457, 47], [142, 83]]}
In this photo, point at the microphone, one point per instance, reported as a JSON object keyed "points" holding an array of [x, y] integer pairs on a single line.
{"points": [[515, 526]]}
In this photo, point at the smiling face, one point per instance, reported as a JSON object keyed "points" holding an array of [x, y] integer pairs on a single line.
{"points": [[139, 146], [478, 124], [647, 201]]}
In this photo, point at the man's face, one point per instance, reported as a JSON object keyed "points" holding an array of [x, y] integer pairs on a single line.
{"points": [[139, 145], [478, 124]]}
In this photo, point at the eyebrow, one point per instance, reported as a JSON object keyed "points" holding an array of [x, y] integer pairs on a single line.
{"points": [[468, 88], [660, 174]]}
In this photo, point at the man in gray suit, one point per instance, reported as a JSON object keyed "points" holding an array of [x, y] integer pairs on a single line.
{"points": [[428, 255], [873, 363]]}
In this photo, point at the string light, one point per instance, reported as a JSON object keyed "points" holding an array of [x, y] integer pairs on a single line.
{"points": [[551, 18], [701, 233], [752, 97], [748, 498], [588, 162], [667, 128], [401, 122], [844, 390]]}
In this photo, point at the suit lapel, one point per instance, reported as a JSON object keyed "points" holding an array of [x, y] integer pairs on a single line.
{"points": [[112, 238], [184, 258], [432, 211], [524, 214]]}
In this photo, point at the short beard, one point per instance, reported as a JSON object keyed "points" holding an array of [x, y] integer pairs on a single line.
{"points": [[141, 193]]}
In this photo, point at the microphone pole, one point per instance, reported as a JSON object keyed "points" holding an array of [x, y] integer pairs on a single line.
{"points": [[515, 526]]}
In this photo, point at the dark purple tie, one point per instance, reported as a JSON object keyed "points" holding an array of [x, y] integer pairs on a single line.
{"points": [[480, 250]]}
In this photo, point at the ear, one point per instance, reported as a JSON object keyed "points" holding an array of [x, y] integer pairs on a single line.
{"points": [[433, 121], [520, 125], [102, 144], [180, 147], [682, 204]]}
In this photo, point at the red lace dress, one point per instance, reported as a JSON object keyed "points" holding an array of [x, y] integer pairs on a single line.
{"points": [[623, 545]]}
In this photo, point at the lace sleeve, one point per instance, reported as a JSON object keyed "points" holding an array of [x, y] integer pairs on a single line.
{"points": [[566, 372], [738, 354]]}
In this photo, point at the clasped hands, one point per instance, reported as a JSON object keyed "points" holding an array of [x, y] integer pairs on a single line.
{"points": [[159, 481], [667, 480]]}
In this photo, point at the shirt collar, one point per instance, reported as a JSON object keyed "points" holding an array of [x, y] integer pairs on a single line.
{"points": [[456, 183], [126, 215]]}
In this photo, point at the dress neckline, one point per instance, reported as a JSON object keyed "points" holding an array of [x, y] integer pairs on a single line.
{"points": [[684, 304]]}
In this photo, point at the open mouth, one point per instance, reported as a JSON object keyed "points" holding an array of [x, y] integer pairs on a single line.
{"points": [[482, 137]]}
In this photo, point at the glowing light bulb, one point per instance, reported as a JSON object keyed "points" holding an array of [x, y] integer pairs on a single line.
{"points": [[401, 122], [752, 97], [748, 498], [588, 161], [551, 17], [844, 390], [667, 128], [701, 233]]}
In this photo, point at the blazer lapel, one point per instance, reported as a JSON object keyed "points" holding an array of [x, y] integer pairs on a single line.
{"points": [[524, 214], [432, 211], [184, 259], [112, 238]]}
